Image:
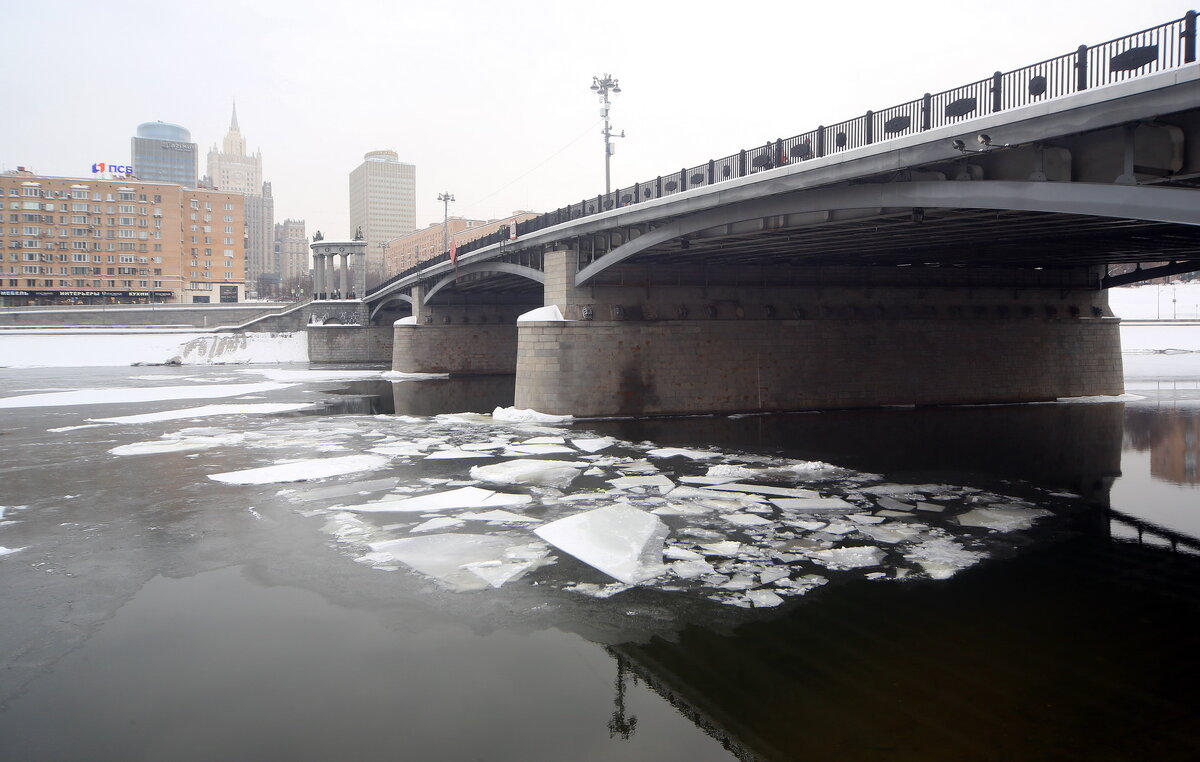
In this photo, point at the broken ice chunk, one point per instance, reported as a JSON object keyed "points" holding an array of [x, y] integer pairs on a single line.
{"points": [[463, 497], [679, 452], [662, 483], [503, 516], [763, 599], [763, 489], [931, 507], [745, 519], [812, 504], [537, 449], [1003, 518], [621, 541], [690, 569], [941, 557], [302, 470], [598, 591], [518, 415], [893, 505], [677, 553], [443, 556], [456, 454], [726, 548], [848, 558], [594, 445], [552, 473], [891, 534], [442, 522], [866, 518]]}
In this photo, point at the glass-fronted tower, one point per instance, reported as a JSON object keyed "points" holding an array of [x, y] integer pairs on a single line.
{"points": [[164, 153]]}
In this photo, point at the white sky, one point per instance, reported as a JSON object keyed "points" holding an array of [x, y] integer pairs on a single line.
{"points": [[490, 100]]}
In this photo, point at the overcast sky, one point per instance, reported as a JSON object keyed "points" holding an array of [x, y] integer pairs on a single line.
{"points": [[491, 100]]}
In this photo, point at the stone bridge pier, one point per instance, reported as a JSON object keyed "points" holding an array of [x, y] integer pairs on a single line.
{"points": [[462, 339], [656, 341]]}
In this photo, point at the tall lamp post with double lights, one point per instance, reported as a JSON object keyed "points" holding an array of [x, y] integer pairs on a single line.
{"points": [[602, 86], [445, 198]]}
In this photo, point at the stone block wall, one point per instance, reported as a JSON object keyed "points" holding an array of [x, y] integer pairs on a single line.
{"points": [[608, 367], [461, 348], [349, 343]]}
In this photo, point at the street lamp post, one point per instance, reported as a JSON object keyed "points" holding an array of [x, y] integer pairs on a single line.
{"points": [[445, 198], [602, 86]]}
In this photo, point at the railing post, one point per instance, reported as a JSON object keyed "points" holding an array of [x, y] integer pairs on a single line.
{"points": [[1081, 68], [683, 179], [1189, 37], [821, 140], [637, 193], [926, 109], [779, 158], [997, 92], [712, 171], [742, 163], [658, 187], [869, 128]]}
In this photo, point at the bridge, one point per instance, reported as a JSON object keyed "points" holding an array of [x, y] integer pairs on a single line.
{"points": [[955, 248]]}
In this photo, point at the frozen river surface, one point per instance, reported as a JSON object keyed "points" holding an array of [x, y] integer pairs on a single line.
{"points": [[260, 563]]}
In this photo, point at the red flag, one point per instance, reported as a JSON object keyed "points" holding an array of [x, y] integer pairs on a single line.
{"points": [[454, 254]]}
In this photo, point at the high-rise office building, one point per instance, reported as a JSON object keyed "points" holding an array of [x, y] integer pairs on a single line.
{"points": [[383, 203], [164, 153]]}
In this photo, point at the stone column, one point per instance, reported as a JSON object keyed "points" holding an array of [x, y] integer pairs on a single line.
{"points": [[561, 265], [345, 279], [318, 259], [419, 310]]}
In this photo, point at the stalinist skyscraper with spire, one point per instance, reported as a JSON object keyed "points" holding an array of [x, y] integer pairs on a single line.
{"points": [[233, 169]]}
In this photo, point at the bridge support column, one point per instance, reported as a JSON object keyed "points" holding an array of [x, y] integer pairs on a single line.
{"points": [[559, 289], [932, 355]]}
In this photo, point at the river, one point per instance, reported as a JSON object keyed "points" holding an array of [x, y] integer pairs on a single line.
{"points": [[998, 583]]}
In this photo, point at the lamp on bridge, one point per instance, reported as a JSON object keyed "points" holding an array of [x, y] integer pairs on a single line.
{"points": [[984, 140], [602, 86]]}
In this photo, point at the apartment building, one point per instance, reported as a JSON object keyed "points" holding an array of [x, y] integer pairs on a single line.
{"points": [[428, 242], [86, 241]]}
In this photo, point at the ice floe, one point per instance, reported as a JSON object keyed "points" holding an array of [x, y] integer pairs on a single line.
{"points": [[455, 499], [466, 561], [302, 470], [623, 542], [208, 411], [553, 473], [134, 394], [5, 551], [1003, 518], [518, 415]]}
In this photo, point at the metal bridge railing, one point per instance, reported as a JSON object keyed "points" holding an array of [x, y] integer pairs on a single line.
{"points": [[1159, 48]]}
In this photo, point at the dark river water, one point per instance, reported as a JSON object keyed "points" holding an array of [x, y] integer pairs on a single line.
{"points": [[1041, 603]]}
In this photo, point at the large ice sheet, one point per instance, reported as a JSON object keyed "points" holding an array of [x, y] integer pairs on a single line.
{"points": [[180, 444], [659, 482], [812, 504], [463, 497], [135, 394], [207, 411], [594, 445], [550, 473], [848, 558], [763, 489], [519, 415], [621, 541], [942, 557], [455, 559], [302, 470], [1002, 518]]}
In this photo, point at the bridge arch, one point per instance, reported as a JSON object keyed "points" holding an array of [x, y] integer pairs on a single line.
{"points": [[1171, 205], [391, 299], [485, 267]]}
